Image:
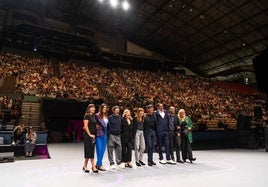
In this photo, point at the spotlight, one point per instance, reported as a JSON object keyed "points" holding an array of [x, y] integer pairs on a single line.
{"points": [[101, 1], [114, 3], [35, 49], [125, 5]]}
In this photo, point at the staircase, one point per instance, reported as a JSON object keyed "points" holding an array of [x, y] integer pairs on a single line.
{"points": [[31, 114], [8, 85]]}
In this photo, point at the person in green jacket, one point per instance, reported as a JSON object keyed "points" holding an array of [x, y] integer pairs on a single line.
{"points": [[186, 125]]}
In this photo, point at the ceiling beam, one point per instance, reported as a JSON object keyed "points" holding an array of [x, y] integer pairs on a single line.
{"points": [[151, 16], [239, 48]]}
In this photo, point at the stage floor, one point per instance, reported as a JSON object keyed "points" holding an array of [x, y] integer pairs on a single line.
{"points": [[221, 168]]}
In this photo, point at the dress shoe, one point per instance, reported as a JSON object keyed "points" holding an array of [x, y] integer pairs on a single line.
{"points": [[138, 164], [180, 161], [142, 163], [150, 164], [193, 159], [153, 163], [85, 170]]}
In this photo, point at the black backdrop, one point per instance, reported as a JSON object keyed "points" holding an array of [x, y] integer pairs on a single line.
{"points": [[62, 108], [57, 112]]}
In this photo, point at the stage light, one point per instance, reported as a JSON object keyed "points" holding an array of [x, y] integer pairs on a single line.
{"points": [[114, 3], [125, 5], [122, 4]]}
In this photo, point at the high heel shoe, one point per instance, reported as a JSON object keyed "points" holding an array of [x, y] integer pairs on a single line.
{"points": [[95, 170], [85, 170]]}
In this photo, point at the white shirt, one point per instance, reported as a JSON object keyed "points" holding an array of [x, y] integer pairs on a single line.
{"points": [[162, 113]]}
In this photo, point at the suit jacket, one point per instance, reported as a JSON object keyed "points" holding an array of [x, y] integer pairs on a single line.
{"points": [[161, 123], [147, 128], [177, 125], [126, 131]]}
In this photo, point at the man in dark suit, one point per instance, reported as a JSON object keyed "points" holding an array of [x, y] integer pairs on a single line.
{"points": [[149, 133], [174, 135], [162, 123]]}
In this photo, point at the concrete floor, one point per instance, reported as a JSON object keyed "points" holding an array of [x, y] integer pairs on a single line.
{"points": [[221, 168]]}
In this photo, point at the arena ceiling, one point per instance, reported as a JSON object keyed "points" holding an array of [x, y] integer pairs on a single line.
{"points": [[213, 38]]}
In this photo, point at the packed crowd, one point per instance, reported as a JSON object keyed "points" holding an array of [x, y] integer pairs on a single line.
{"points": [[126, 87]]}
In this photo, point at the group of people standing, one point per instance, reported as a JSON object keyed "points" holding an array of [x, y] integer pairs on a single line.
{"points": [[151, 130]]}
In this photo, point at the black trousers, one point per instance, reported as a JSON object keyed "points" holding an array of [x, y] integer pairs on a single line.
{"points": [[150, 142], [126, 151], [175, 145], [89, 146], [171, 135], [186, 148], [18, 138], [163, 137]]}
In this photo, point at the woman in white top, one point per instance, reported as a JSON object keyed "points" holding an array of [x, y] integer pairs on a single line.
{"points": [[31, 138]]}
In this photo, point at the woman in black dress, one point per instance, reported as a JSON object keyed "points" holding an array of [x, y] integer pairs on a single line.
{"points": [[126, 138], [89, 137]]}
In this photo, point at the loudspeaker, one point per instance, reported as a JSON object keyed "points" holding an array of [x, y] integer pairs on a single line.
{"points": [[261, 69], [258, 112]]}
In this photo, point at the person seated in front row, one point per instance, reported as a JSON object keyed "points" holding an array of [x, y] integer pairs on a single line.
{"points": [[18, 134], [31, 138]]}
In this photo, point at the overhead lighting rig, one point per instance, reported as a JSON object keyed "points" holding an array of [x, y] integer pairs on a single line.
{"points": [[123, 4]]}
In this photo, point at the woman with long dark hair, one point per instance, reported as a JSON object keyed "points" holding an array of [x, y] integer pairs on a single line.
{"points": [[101, 139], [31, 138], [89, 138]]}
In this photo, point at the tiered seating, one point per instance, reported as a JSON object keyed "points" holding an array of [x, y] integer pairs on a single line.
{"points": [[213, 123], [240, 88], [132, 88]]}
